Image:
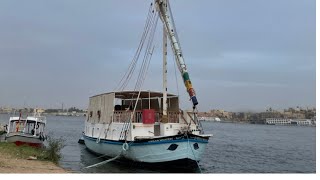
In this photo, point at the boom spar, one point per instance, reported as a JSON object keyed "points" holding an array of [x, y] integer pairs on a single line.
{"points": [[170, 29]]}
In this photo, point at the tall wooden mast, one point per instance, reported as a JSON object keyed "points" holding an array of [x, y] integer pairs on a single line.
{"points": [[165, 89]]}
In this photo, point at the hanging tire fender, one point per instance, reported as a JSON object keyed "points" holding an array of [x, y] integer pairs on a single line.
{"points": [[125, 146]]}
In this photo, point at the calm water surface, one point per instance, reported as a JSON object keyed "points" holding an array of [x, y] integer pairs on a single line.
{"points": [[234, 148]]}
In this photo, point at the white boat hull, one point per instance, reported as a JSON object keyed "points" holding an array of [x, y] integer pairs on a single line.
{"points": [[20, 139], [151, 151]]}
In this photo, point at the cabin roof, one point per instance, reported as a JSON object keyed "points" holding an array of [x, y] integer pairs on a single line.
{"points": [[134, 94], [29, 118]]}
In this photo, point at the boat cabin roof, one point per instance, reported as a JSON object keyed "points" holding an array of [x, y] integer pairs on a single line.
{"points": [[134, 94], [29, 119]]}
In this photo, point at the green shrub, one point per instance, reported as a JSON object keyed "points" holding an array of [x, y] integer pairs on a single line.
{"points": [[53, 149], [49, 153]]}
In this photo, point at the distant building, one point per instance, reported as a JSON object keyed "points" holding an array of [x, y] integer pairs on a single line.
{"points": [[6, 110], [39, 110], [222, 114]]}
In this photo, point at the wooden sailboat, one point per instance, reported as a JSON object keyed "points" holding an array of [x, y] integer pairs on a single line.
{"points": [[147, 126]]}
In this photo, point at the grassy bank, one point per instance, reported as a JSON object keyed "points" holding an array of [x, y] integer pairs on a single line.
{"points": [[14, 159], [49, 153], [22, 152]]}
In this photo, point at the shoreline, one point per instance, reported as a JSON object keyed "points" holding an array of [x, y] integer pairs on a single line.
{"points": [[14, 163]]}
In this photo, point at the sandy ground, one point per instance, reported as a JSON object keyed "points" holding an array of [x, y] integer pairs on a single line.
{"points": [[8, 164]]}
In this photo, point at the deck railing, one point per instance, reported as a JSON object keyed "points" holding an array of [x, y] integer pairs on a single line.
{"points": [[124, 116]]}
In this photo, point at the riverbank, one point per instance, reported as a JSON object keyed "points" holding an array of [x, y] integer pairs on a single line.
{"points": [[14, 159]]}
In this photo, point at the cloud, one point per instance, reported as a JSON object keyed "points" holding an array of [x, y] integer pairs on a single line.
{"points": [[75, 49]]}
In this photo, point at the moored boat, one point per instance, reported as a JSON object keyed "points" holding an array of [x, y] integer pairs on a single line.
{"points": [[29, 130], [146, 138], [147, 126]]}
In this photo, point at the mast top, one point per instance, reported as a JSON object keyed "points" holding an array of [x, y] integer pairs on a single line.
{"points": [[170, 29]]}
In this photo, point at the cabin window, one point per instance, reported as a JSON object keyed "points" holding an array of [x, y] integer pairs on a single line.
{"points": [[99, 114], [117, 107], [90, 113]]}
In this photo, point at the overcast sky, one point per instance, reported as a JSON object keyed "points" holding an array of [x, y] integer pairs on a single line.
{"points": [[241, 55]]}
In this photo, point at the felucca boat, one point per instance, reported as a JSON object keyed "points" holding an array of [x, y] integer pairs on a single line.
{"points": [[147, 126]]}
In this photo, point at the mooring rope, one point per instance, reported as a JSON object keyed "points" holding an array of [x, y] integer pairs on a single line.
{"points": [[125, 147], [104, 162]]}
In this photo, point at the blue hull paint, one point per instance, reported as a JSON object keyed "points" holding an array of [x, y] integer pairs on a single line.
{"points": [[150, 151], [145, 143]]}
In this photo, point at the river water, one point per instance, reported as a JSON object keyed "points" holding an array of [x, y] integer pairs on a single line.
{"points": [[234, 148]]}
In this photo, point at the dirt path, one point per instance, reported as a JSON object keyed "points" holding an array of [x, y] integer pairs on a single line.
{"points": [[9, 164]]}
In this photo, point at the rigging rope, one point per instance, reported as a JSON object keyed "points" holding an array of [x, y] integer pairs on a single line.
{"points": [[142, 73], [195, 111], [147, 55], [133, 62], [127, 76], [133, 69]]}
